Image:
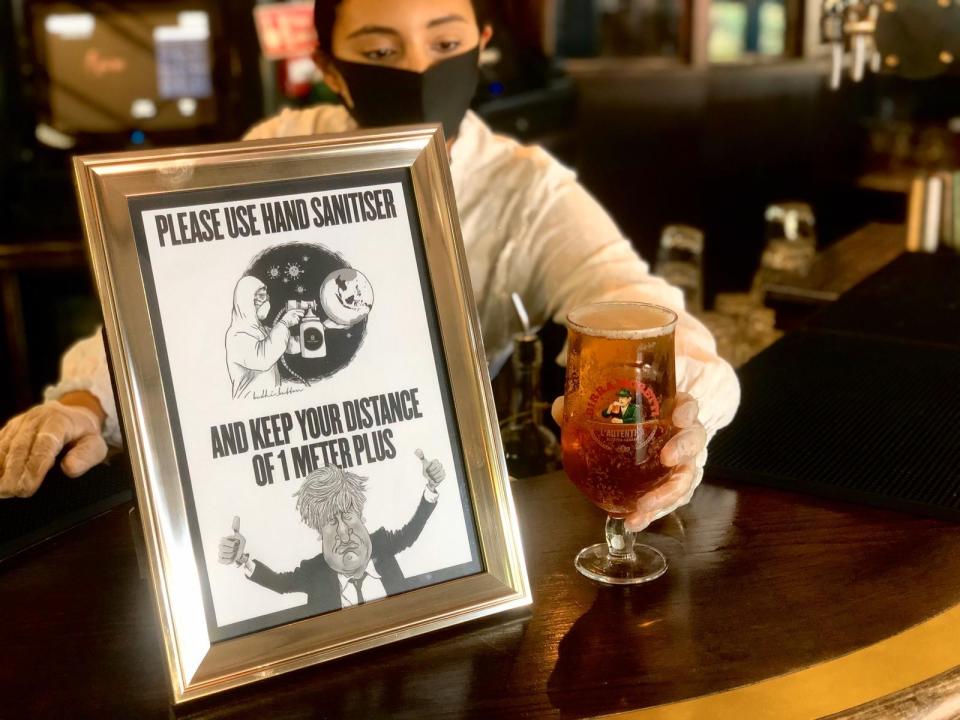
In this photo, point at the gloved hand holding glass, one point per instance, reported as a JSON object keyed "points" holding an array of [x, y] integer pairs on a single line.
{"points": [[31, 442], [630, 441]]}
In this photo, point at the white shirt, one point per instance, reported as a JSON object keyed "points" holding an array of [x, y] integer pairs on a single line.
{"points": [[371, 586], [528, 227]]}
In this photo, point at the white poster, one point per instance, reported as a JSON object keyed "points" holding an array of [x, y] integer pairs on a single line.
{"points": [[300, 358]]}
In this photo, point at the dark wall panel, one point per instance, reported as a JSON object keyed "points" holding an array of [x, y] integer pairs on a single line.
{"points": [[712, 148]]}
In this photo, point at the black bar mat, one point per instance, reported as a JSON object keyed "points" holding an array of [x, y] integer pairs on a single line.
{"points": [[61, 503], [916, 297], [864, 419]]}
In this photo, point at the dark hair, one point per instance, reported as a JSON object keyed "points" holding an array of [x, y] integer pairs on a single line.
{"points": [[325, 14]]}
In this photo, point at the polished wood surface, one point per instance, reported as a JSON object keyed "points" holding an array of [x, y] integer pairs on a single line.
{"points": [[761, 583], [844, 264]]}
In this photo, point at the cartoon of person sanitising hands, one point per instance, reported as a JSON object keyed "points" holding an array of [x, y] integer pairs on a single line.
{"points": [[253, 350]]}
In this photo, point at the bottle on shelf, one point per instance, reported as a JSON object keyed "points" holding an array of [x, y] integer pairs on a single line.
{"points": [[530, 447]]}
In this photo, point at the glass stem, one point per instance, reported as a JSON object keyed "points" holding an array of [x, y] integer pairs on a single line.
{"points": [[619, 539]]}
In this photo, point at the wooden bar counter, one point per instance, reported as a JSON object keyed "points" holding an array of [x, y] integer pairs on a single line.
{"points": [[775, 606]]}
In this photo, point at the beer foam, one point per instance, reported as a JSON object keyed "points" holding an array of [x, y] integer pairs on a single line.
{"points": [[623, 320]]}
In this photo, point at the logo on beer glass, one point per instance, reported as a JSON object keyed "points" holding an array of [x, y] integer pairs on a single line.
{"points": [[623, 410]]}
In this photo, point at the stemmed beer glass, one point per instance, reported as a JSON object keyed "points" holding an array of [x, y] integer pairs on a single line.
{"points": [[618, 403]]}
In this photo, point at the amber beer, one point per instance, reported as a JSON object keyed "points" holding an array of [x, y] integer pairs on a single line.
{"points": [[618, 401]]}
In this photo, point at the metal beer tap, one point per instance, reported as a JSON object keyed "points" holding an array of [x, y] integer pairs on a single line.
{"points": [[910, 38], [860, 25], [915, 40], [831, 31]]}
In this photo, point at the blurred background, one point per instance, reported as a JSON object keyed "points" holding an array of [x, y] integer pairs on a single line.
{"points": [[700, 113]]}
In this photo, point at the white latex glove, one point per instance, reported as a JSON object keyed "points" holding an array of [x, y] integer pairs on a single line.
{"points": [[683, 452], [30, 443]]}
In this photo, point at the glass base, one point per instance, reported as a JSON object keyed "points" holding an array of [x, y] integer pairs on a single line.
{"points": [[642, 565]]}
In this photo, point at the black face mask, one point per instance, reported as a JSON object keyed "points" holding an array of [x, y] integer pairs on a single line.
{"points": [[387, 96]]}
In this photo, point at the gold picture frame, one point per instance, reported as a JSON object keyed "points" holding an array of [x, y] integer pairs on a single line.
{"points": [[116, 193]]}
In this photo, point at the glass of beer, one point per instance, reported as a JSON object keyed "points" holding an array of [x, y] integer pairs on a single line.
{"points": [[618, 403]]}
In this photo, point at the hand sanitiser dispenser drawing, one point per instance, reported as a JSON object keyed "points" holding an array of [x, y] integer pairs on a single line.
{"points": [[295, 344], [313, 339]]}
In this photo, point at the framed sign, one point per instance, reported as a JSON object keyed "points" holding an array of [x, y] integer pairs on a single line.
{"points": [[305, 401]]}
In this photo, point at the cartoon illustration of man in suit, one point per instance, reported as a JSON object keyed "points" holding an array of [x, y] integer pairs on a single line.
{"points": [[355, 566]]}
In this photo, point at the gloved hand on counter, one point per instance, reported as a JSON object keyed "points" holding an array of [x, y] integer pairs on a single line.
{"points": [[31, 442], [684, 452]]}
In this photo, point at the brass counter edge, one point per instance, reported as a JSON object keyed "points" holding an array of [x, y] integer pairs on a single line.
{"points": [[832, 686]]}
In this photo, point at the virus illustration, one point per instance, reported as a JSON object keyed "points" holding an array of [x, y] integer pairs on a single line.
{"points": [[294, 270], [274, 272], [306, 258], [301, 289]]}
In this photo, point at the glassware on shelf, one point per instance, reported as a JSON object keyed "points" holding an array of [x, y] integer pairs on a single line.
{"points": [[791, 245], [741, 325], [726, 333], [680, 262]]}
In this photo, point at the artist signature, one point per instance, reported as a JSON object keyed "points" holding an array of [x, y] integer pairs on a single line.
{"points": [[284, 390]]}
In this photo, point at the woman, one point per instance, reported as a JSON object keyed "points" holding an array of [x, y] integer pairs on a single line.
{"points": [[528, 227]]}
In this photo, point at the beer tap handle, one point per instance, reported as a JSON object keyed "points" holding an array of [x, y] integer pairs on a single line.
{"points": [[836, 65], [874, 59], [860, 24], [859, 62], [831, 31]]}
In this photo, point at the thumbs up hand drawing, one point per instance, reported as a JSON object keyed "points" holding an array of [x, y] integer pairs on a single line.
{"points": [[432, 470], [232, 546]]}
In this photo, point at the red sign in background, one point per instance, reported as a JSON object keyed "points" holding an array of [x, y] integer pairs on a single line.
{"points": [[285, 30]]}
